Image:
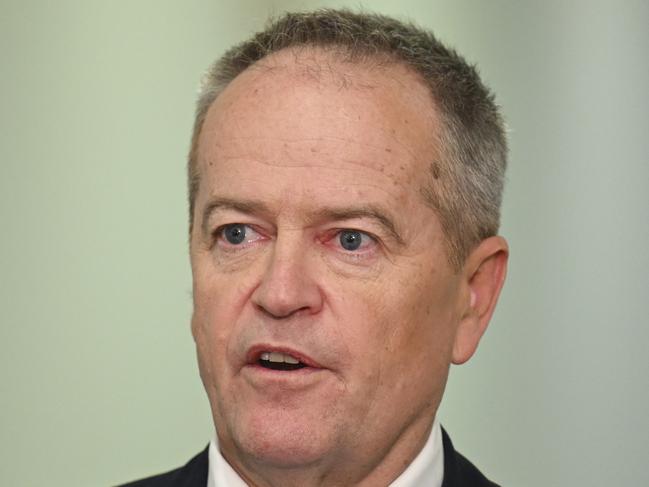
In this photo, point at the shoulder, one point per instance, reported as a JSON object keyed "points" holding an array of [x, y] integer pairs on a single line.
{"points": [[458, 471], [193, 473]]}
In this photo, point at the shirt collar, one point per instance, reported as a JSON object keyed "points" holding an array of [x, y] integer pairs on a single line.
{"points": [[428, 466], [220, 472], [426, 469]]}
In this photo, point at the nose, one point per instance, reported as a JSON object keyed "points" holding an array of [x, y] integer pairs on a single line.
{"points": [[287, 287]]}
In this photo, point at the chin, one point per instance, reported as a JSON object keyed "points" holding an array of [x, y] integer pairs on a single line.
{"points": [[283, 438]]}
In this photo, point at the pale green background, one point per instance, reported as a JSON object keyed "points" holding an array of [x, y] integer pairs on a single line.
{"points": [[98, 377]]}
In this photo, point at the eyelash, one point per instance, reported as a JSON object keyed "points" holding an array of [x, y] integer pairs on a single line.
{"points": [[357, 253], [219, 238], [333, 236]]}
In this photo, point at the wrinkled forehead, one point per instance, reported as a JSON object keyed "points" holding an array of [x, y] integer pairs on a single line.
{"points": [[308, 109], [306, 88]]}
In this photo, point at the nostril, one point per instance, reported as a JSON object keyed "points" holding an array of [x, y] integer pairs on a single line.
{"points": [[281, 313]]}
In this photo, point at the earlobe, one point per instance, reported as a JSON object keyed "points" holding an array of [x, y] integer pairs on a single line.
{"points": [[484, 275]]}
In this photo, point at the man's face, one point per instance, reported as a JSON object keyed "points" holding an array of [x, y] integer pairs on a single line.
{"points": [[311, 243]]}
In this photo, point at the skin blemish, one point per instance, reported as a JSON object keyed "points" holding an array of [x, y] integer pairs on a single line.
{"points": [[395, 179], [387, 149], [435, 170]]}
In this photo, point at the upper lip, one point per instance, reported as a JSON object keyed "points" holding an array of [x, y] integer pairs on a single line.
{"points": [[254, 352]]}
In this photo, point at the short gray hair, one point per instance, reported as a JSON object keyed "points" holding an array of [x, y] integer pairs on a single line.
{"points": [[465, 186]]}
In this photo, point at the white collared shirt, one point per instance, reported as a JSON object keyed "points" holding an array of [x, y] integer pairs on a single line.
{"points": [[427, 469]]}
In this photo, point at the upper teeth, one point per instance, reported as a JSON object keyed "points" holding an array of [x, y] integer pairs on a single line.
{"points": [[279, 357]]}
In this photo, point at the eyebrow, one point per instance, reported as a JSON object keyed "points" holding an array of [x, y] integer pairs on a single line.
{"points": [[366, 211], [344, 213], [242, 206]]}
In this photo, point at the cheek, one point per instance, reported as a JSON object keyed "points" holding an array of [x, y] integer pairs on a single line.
{"points": [[218, 294], [412, 325], [204, 351], [217, 303], [212, 329]]}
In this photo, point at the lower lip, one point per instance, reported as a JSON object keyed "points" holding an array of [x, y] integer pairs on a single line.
{"points": [[260, 376]]}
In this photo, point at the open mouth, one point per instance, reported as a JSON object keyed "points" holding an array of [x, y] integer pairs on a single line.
{"points": [[279, 361]]}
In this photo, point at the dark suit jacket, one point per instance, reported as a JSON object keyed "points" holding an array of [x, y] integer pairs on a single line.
{"points": [[458, 472]]}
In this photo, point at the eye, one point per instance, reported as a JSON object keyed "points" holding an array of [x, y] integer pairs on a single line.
{"points": [[237, 234], [352, 240]]}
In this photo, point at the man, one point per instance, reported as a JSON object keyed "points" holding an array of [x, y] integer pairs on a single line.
{"points": [[345, 179]]}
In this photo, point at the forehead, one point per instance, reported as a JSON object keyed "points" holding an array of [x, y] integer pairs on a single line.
{"points": [[306, 109]]}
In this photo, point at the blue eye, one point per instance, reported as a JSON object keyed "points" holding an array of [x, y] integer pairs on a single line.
{"points": [[351, 239], [235, 234]]}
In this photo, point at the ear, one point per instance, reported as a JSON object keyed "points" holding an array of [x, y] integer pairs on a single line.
{"points": [[483, 276]]}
